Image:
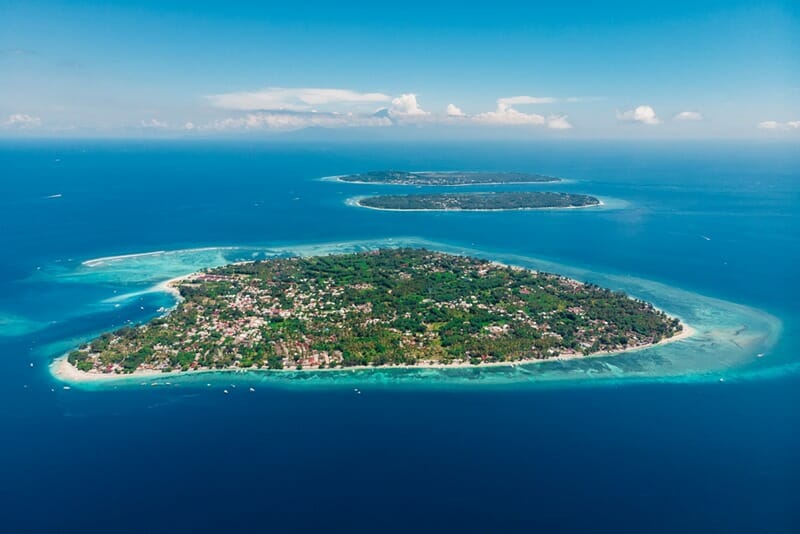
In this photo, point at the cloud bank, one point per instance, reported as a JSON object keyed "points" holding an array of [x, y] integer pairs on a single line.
{"points": [[558, 122], [22, 121], [775, 125], [515, 100], [288, 121], [285, 109], [506, 115], [684, 116], [154, 123], [283, 99], [291, 109]]}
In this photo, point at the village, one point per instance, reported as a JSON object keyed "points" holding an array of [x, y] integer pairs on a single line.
{"points": [[404, 307]]}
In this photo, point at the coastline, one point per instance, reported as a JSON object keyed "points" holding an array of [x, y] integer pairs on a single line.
{"points": [[61, 369], [168, 286], [338, 179], [475, 184], [356, 202], [64, 371]]}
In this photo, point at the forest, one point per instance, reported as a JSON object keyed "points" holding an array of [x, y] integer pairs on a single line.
{"points": [[512, 200], [385, 307]]}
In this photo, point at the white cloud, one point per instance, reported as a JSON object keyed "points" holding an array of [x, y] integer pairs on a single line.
{"points": [[514, 100], [640, 114], [294, 109], [283, 99], [406, 105], [294, 121], [558, 122], [454, 111], [775, 125], [404, 110], [22, 120], [153, 123], [507, 115], [689, 116]]}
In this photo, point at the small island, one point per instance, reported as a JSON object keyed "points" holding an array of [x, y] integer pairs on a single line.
{"points": [[389, 307], [446, 178], [512, 200]]}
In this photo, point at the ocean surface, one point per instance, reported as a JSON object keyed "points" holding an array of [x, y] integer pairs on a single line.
{"points": [[701, 435]]}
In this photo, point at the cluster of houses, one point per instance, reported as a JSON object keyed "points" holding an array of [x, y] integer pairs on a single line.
{"points": [[258, 312]]}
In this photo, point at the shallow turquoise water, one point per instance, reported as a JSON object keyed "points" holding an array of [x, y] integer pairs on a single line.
{"points": [[728, 342]]}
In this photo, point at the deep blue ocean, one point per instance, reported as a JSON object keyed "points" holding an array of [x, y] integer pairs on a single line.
{"points": [[717, 451]]}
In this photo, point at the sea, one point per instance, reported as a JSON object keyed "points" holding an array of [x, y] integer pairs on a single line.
{"points": [[700, 435]]}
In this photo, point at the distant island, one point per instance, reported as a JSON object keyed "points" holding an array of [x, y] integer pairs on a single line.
{"points": [[446, 178], [512, 200], [409, 307]]}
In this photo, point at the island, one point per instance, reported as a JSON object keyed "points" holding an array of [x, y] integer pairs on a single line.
{"points": [[387, 307], [446, 178], [490, 201]]}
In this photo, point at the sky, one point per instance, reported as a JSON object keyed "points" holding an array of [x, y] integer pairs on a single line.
{"points": [[587, 70]]}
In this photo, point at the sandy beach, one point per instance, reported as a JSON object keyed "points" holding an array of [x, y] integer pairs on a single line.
{"points": [[476, 184], [66, 372], [356, 202], [170, 286], [61, 369]]}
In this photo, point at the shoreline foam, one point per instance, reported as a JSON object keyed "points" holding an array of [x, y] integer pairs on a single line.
{"points": [[356, 202], [338, 178], [724, 341], [61, 369]]}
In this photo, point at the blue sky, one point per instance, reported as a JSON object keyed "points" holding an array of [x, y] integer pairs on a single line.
{"points": [[568, 69]]}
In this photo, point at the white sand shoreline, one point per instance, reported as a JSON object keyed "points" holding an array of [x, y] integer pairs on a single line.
{"points": [[338, 178], [475, 184], [62, 370], [356, 202]]}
